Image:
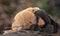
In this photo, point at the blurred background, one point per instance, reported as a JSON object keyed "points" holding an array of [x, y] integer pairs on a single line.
{"points": [[8, 9]]}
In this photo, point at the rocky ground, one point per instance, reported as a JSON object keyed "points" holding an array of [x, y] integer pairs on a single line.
{"points": [[29, 33]]}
